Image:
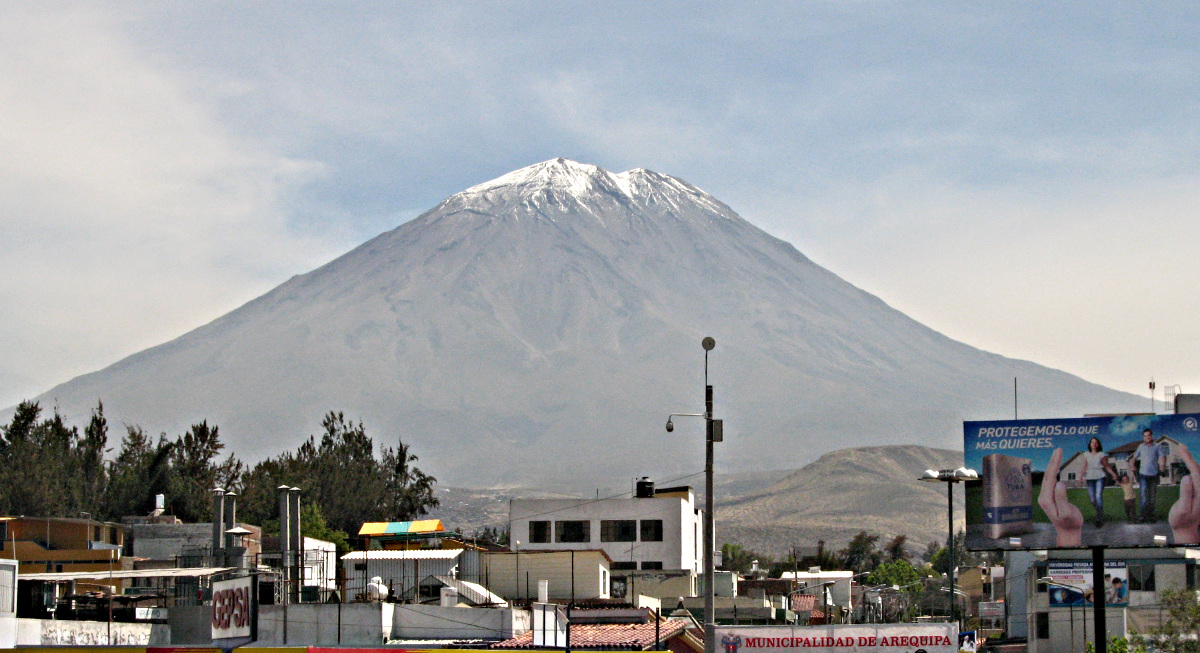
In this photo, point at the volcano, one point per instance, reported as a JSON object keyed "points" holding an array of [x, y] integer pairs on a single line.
{"points": [[538, 328]]}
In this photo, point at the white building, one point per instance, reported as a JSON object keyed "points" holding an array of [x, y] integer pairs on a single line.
{"points": [[656, 529], [1059, 629]]}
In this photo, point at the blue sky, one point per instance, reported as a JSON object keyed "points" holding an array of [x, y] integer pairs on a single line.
{"points": [[1019, 176]]}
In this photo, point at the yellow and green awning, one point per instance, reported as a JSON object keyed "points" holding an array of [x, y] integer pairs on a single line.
{"points": [[398, 528]]}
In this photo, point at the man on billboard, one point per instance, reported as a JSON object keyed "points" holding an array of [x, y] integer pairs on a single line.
{"points": [[1150, 459]]}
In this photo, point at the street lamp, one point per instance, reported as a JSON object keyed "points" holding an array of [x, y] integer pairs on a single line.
{"points": [[950, 477], [713, 432]]}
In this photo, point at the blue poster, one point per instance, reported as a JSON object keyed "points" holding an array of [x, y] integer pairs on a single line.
{"points": [[1122, 481], [1069, 584]]}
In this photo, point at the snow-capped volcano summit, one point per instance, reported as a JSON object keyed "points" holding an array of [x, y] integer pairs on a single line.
{"points": [[539, 327], [564, 185]]}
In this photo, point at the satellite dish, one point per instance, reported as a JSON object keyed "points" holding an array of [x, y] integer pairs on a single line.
{"points": [[708, 344]]}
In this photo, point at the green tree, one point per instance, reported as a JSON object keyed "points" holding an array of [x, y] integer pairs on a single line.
{"points": [[1178, 632], [408, 492], [312, 524], [341, 474], [897, 549], [491, 536], [735, 557], [47, 468], [92, 474], [898, 573], [862, 553], [940, 559], [141, 470], [196, 469]]}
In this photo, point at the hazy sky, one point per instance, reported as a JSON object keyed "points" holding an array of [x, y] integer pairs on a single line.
{"points": [[1022, 177]]}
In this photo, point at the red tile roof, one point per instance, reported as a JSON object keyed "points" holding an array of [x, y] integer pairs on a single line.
{"points": [[803, 602], [606, 636]]}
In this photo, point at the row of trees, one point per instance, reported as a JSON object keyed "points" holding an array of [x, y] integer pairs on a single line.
{"points": [[50, 468], [863, 553]]}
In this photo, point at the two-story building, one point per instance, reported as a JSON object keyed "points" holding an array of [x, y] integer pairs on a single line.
{"points": [[657, 529]]}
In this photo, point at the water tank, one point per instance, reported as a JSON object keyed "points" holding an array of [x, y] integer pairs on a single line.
{"points": [[645, 488]]}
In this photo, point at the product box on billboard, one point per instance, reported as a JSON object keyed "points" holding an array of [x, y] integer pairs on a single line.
{"points": [[1078, 482], [1007, 495]]}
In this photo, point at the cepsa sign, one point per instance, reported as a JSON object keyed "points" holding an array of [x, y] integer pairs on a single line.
{"points": [[893, 638], [233, 608]]}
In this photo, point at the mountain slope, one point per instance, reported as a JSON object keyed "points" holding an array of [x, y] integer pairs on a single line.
{"points": [[539, 327], [846, 491]]}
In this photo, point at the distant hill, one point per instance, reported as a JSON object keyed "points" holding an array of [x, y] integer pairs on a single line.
{"points": [[844, 492], [537, 329]]}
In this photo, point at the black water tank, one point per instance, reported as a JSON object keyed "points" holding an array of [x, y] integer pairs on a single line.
{"points": [[645, 488]]}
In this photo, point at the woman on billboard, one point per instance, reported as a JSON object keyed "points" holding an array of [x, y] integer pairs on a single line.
{"points": [[1095, 466]]}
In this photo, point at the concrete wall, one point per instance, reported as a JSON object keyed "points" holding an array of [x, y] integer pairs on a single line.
{"points": [[515, 575], [165, 541], [437, 622], [191, 625], [1079, 623], [46, 632], [8, 631], [310, 624], [660, 585]]}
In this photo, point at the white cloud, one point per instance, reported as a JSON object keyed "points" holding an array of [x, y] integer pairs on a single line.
{"points": [[129, 215], [1020, 178]]}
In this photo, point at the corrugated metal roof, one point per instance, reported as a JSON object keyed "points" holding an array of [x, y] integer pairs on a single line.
{"points": [[383, 528], [473, 592], [129, 573], [417, 554]]}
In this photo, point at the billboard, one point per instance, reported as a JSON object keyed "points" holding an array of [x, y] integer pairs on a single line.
{"points": [[1122, 481], [1070, 584], [893, 638], [234, 608]]}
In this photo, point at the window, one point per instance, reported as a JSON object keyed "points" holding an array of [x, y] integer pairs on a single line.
{"points": [[624, 565], [1141, 578], [652, 564], [652, 530], [539, 532], [1070, 476], [1043, 625], [618, 530], [96, 536], [572, 531]]}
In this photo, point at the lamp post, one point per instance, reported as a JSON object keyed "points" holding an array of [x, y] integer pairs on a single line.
{"points": [[950, 477], [713, 432]]}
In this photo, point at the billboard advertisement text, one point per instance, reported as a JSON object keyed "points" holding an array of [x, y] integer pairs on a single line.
{"points": [[1122, 481]]}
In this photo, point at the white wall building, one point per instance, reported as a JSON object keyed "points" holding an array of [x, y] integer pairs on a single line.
{"points": [[657, 529], [1054, 629]]}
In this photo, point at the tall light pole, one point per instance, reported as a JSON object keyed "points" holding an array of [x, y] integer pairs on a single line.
{"points": [[950, 477], [713, 432]]}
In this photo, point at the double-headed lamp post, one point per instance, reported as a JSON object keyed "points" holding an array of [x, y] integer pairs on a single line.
{"points": [[950, 477], [713, 432]]}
